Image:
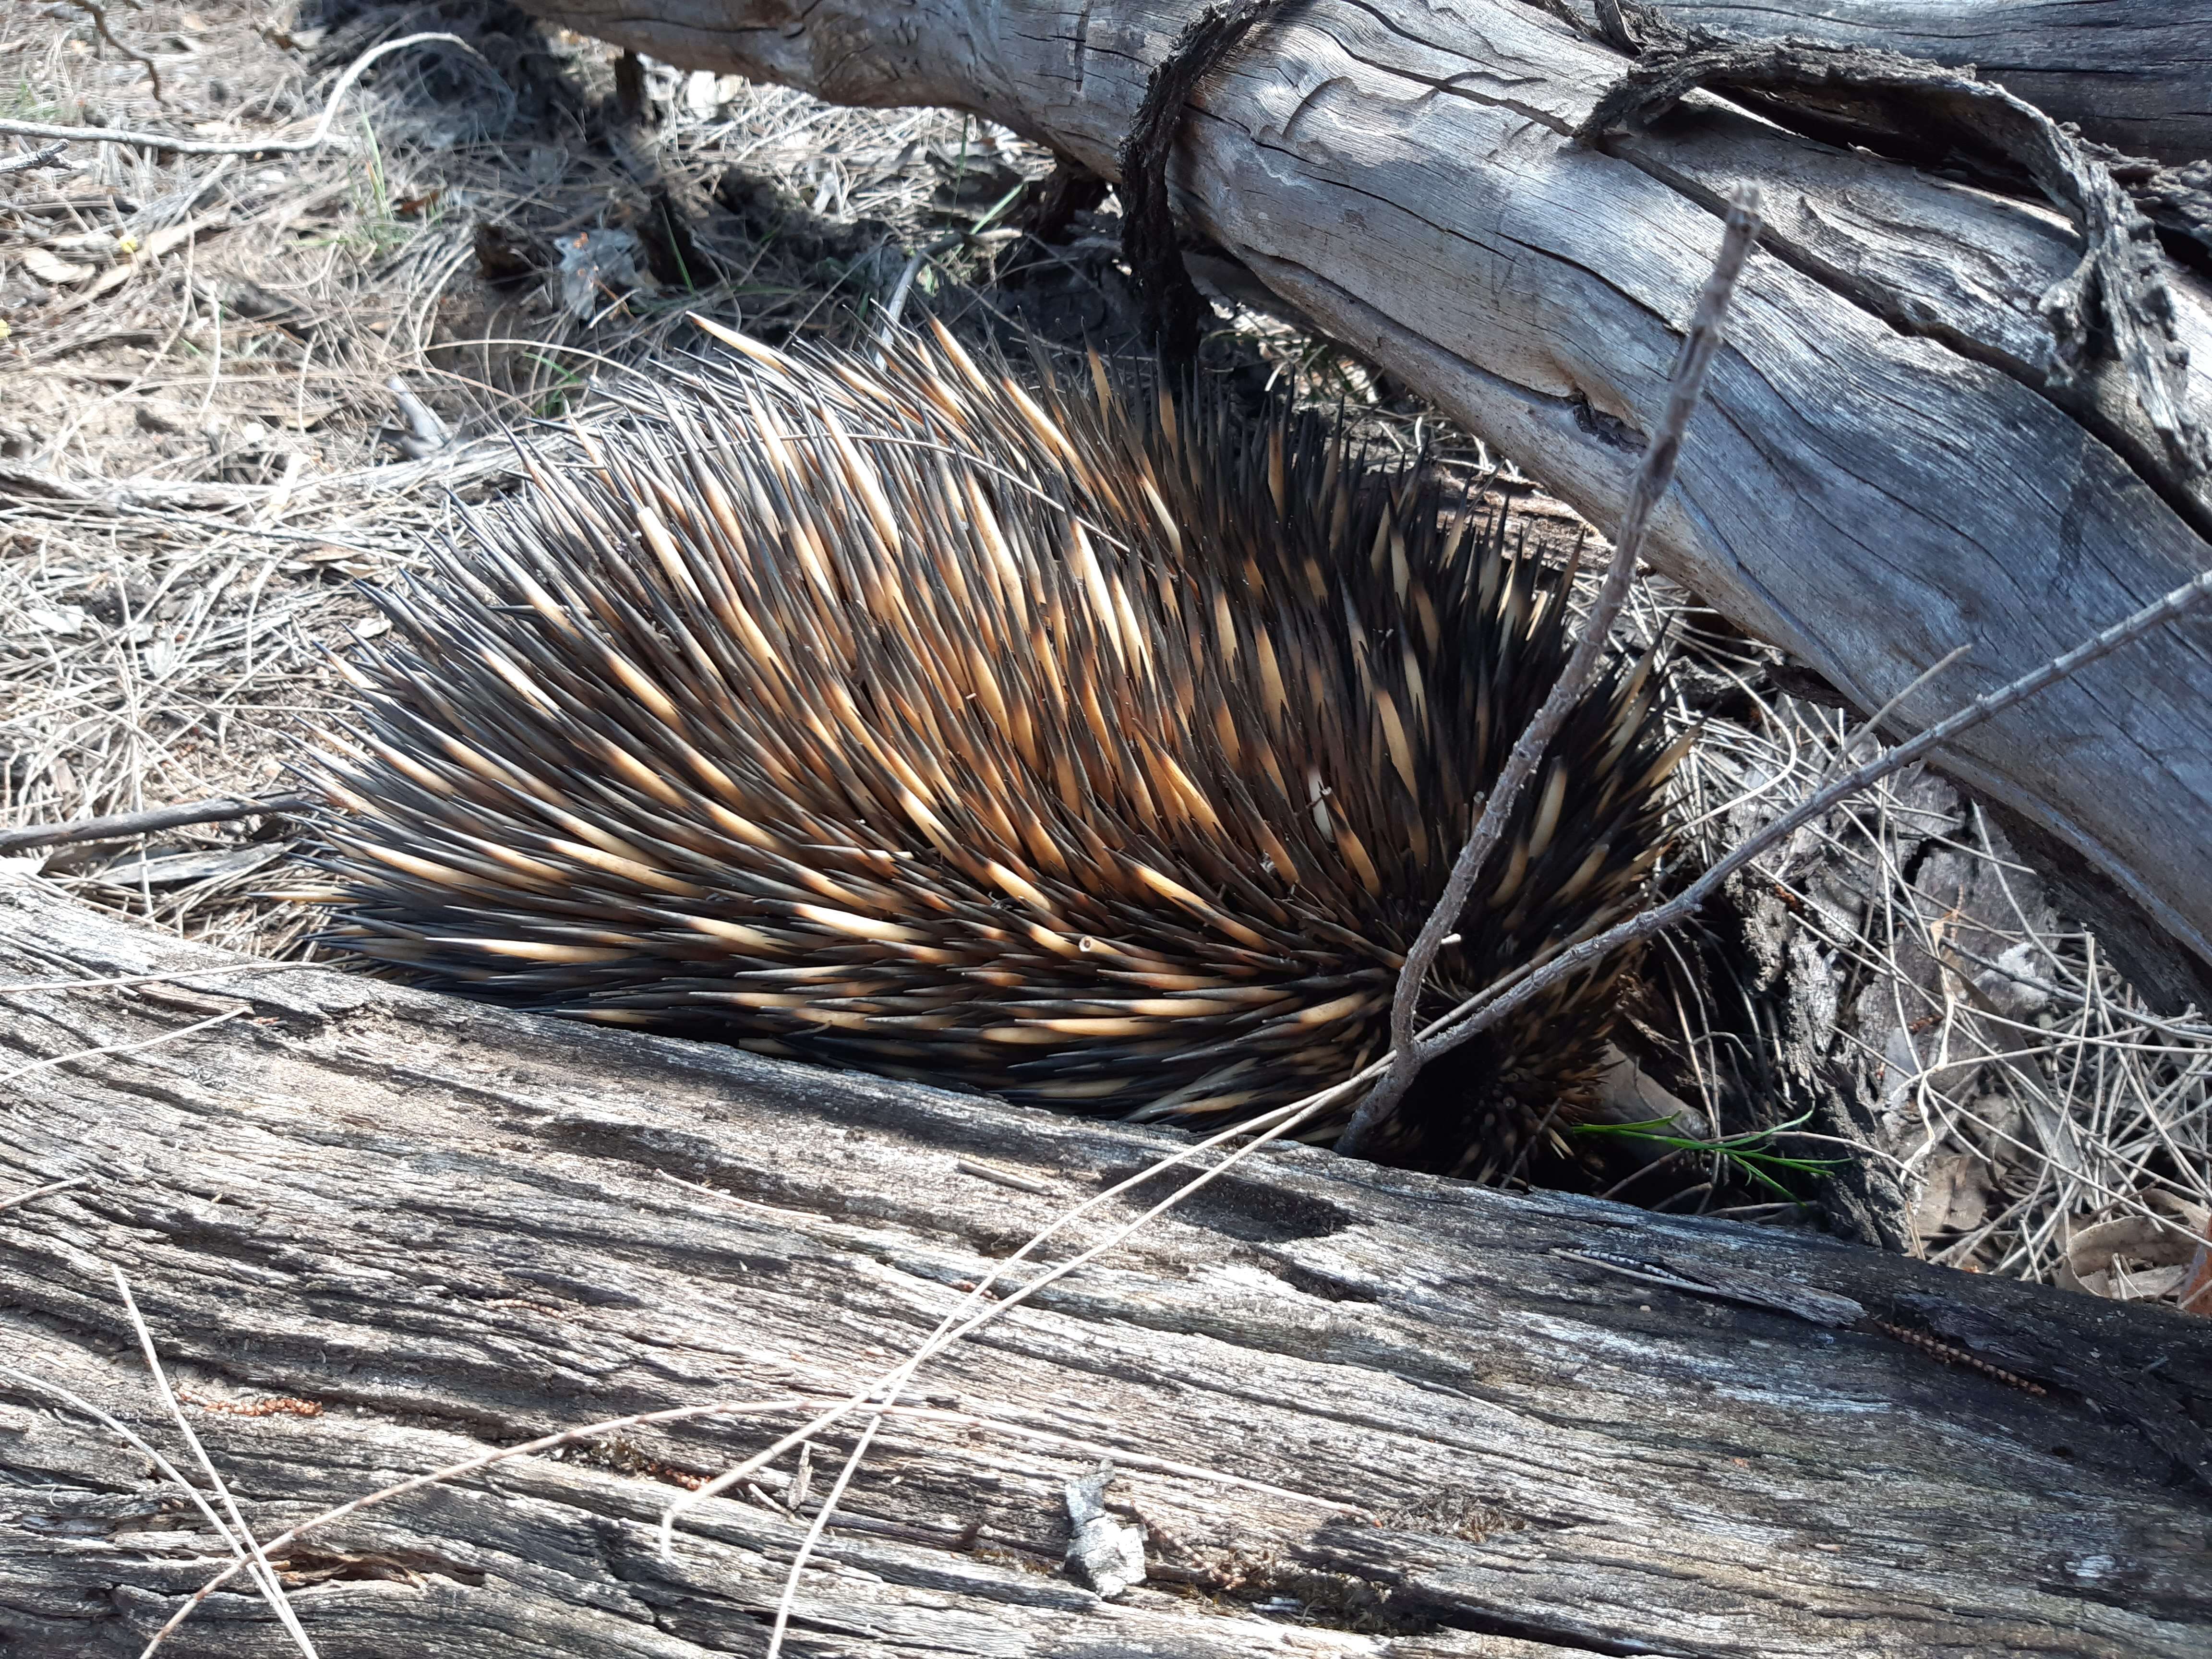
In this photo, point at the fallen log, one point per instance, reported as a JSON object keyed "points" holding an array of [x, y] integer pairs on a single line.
{"points": [[374, 1232], [1894, 461], [2135, 74]]}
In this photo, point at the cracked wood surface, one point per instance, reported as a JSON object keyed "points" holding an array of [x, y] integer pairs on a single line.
{"points": [[2135, 74], [1884, 468], [1382, 1396]]}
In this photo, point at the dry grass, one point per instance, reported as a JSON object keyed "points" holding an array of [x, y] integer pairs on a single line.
{"points": [[201, 463], [197, 462], [2019, 1087]]}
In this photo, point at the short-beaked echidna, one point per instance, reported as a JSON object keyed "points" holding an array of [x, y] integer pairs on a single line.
{"points": [[1083, 743]]}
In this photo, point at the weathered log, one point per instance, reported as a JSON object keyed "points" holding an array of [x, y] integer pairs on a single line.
{"points": [[2135, 74], [1361, 1413], [1889, 465]]}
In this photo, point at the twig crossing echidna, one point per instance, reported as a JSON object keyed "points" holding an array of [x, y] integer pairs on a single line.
{"points": [[1086, 747]]}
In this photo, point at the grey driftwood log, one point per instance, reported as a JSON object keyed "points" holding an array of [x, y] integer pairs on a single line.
{"points": [[1360, 1412], [2136, 73], [1887, 465]]}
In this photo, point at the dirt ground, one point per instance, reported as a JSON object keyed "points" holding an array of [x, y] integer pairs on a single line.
{"points": [[245, 388]]}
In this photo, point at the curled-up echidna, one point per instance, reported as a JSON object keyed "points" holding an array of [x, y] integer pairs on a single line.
{"points": [[1083, 745]]}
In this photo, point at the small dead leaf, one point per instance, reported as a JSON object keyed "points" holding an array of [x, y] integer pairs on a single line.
{"points": [[52, 269], [505, 255], [180, 869], [1957, 1198], [164, 415], [2136, 1257], [597, 266], [95, 242], [305, 418], [346, 564], [162, 241], [2194, 1294], [65, 620]]}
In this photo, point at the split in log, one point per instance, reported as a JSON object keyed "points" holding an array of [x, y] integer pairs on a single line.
{"points": [[2134, 73], [1892, 461], [375, 1232]]}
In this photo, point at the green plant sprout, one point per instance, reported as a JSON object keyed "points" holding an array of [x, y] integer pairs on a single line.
{"points": [[1742, 1152], [554, 403]]}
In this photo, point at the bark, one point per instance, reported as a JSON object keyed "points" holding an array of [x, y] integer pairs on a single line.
{"points": [[2134, 73], [1360, 1412], [1888, 465]]}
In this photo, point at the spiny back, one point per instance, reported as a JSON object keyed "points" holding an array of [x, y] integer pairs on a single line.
{"points": [[1085, 744]]}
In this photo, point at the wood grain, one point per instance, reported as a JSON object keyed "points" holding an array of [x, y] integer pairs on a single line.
{"points": [[2135, 74], [1369, 1413]]}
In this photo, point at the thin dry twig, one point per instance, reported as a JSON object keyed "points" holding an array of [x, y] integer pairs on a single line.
{"points": [[256, 1558], [137, 1443], [1478, 1013], [1685, 388], [123, 826], [184, 146], [173, 978], [876, 1393], [36, 158], [453, 1471], [99, 21], [905, 285], [806, 1550], [1875, 721], [51, 1187], [159, 1037], [1089, 1450]]}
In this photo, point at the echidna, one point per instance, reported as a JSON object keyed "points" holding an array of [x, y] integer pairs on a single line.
{"points": [[1086, 745]]}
